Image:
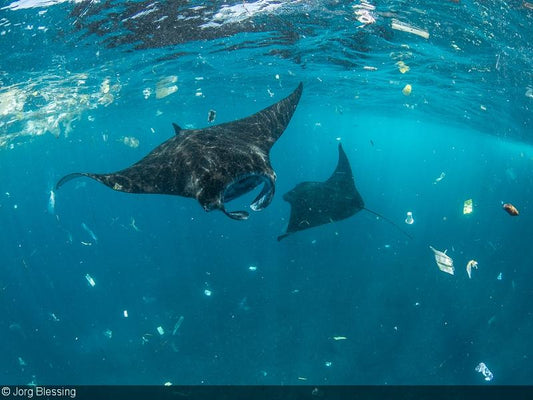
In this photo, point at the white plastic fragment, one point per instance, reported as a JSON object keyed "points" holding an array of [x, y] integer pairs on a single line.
{"points": [[165, 87], [177, 326], [160, 330], [89, 231], [440, 178], [125, 313], [409, 219], [402, 26], [90, 280], [471, 264], [444, 262], [485, 371]]}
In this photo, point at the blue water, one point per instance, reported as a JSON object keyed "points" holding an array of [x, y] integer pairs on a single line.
{"points": [[79, 80]]}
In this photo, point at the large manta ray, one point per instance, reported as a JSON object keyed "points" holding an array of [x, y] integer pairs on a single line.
{"points": [[319, 203], [213, 165]]}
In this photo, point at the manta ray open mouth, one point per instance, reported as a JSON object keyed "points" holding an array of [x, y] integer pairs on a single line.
{"points": [[245, 184]]}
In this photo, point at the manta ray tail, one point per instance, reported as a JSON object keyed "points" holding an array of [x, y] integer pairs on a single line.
{"points": [[389, 221]]}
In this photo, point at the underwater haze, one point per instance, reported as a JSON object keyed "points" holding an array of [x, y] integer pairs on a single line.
{"points": [[432, 102]]}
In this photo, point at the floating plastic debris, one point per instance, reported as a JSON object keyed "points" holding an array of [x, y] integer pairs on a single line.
{"points": [[328, 364], [301, 378], [53, 317], [211, 115], [22, 363], [471, 264], [130, 141], [468, 207], [483, 369], [132, 224], [440, 178], [90, 280], [407, 90], [165, 87], [402, 67], [125, 313], [108, 333], [511, 210], [339, 338], [90, 232], [402, 26], [252, 268], [208, 292], [409, 220], [500, 276], [177, 326], [167, 383], [370, 68], [160, 330], [363, 13], [147, 92], [52, 202], [444, 262]]}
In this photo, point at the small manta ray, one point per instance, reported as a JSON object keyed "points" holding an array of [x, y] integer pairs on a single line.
{"points": [[213, 165], [319, 203]]}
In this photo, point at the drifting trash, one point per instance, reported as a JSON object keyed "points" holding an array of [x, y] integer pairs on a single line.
{"points": [[125, 313], [409, 219], [444, 262], [208, 292], [471, 264], [167, 384], [500, 276], [440, 178], [468, 207], [90, 280], [328, 364], [177, 326], [52, 202], [53, 317], [482, 368], [402, 67], [402, 26], [252, 268], [339, 338], [22, 363], [130, 141], [211, 115], [90, 232], [407, 90], [511, 210], [160, 330], [108, 333], [165, 87]]}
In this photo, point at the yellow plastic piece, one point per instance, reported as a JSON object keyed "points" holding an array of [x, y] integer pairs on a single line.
{"points": [[407, 90]]}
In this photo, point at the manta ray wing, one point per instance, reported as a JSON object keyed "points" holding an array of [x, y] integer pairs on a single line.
{"points": [[213, 165], [318, 203]]}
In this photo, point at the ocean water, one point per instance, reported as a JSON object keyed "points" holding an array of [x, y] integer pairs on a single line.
{"points": [[95, 85]]}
